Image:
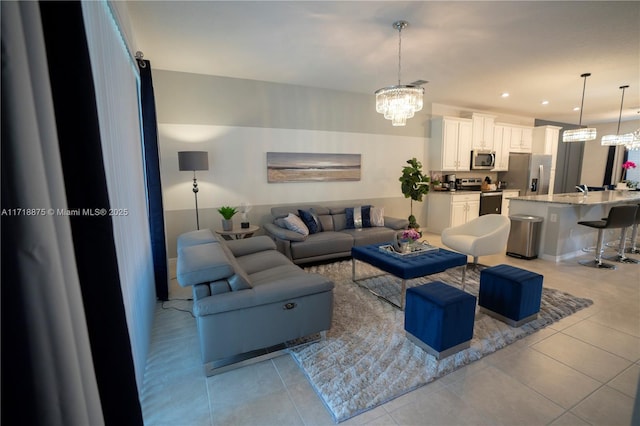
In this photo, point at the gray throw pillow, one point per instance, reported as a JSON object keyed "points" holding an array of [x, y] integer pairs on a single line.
{"points": [[294, 223]]}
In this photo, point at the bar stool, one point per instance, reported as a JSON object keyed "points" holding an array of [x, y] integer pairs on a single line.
{"points": [[619, 217], [634, 235]]}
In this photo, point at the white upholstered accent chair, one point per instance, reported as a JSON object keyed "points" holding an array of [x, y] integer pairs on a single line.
{"points": [[482, 236]]}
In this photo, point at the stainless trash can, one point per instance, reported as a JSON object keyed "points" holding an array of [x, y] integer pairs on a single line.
{"points": [[524, 236]]}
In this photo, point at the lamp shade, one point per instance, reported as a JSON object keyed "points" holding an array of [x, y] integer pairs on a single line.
{"points": [[193, 160]]}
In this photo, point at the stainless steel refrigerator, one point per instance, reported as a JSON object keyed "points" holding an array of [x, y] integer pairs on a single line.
{"points": [[530, 173]]}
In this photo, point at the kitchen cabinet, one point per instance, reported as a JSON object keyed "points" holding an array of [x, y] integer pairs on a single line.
{"points": [[450, 146], [483, 127], [521, 138], [447, 209], [545, 141], [506, 194], [502, 144]]}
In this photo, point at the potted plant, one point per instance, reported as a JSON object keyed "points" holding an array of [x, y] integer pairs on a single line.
{"points": [[227, 213], [414, 184]]}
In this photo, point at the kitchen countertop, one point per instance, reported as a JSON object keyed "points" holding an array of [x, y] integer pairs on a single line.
{"points": [[464, 191], [577, 198]]}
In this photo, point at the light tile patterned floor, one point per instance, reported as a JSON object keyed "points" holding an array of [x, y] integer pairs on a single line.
{"points": [[583, 370]]}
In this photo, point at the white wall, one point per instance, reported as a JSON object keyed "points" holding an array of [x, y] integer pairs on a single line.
{"points": [[238, 170]]}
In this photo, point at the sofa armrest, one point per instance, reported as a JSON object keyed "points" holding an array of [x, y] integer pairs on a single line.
{"points": [[396, 223], [250, 245], [282, 233]]}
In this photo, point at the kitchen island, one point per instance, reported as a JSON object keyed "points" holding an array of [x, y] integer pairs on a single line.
{"points": [[560, 235]]}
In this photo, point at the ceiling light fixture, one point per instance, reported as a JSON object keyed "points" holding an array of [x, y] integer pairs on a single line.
{"points": [[583, 133], [400, 102], [545, 102], [617, 139], [634, 143], [505, 95]]}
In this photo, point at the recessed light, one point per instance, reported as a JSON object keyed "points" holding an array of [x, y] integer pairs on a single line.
{"points": [[576, 108], [504, 95], [545, 102]]}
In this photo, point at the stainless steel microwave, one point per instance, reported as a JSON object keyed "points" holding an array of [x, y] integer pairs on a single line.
{"points": [[483, 159]]}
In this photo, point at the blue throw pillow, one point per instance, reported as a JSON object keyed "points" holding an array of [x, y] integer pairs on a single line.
{"points": [[310, 218], [358, 217]]}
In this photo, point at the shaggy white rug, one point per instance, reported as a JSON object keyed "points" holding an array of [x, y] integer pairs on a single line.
{"points": [[366, 359]]}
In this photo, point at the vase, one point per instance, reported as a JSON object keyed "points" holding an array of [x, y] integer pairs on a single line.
{"points": [[227, 224], [622, 186]]}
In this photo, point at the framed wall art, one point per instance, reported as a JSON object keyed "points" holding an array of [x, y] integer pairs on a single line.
{"points": [[312, 167]]}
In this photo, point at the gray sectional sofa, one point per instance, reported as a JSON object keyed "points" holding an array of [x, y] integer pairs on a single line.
{"points": [[248, 296], [337, 230]]}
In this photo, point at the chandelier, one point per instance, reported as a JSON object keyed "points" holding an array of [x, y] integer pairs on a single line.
{"points": [[617, 139], [399, 102], [632, 141], [581, 134]]}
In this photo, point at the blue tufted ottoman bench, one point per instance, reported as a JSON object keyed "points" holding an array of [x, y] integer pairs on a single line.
{"points": [[439, 318], [510, 294]]}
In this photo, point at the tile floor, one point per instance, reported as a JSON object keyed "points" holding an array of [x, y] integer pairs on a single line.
{"points": [[583, 370]]}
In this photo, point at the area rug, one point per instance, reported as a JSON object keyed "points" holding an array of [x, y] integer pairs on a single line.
{"points": [[366, 359]]}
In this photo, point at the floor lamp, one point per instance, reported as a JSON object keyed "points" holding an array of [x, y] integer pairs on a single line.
{"points": [[192, 161]]}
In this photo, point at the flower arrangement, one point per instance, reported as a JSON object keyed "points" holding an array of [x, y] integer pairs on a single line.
{"points": [[626, 166], [411, 234]]}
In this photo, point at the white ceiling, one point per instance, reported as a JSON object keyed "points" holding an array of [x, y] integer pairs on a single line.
{"points": [[470, 52]]}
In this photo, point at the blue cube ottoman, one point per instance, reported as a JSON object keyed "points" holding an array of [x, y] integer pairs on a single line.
{"points": [[510, 294], [439, 318]]}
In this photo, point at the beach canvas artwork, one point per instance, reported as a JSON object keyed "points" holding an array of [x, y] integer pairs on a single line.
{"points": [[310, 167]]}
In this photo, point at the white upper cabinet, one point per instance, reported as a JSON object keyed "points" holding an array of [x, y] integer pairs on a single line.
{"points": [[483, 125], [450, 146], [501, 143], [545, 140], [521, 138]]}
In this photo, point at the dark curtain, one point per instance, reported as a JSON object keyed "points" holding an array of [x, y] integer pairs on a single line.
{"points": [[86, 188], [154, 187], [608, 171]]}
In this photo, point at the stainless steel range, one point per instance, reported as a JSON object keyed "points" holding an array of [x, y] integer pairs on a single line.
{"points": [[490, 201]]}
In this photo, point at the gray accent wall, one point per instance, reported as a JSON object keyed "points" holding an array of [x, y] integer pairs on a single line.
{"points": [[203, 99]]}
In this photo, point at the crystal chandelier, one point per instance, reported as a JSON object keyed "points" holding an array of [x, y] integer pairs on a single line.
{"points": [[617, 139], [581, 134], [632, 140], [399, 102]]}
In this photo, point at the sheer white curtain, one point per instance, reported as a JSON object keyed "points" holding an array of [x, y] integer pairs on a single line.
{"points": [[117, 96], [44, 280]]}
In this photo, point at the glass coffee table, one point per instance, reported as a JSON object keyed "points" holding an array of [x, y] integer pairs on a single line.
{"points": [[406, 267]]}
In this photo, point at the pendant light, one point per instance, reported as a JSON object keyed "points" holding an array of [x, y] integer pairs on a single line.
{"points": [[399, 102], [581, 134], [632, 141], [618, 139]]}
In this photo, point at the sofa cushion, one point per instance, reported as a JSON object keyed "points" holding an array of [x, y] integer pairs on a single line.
{"points": [[294, 223], [260, 261], [287, 282], [358, 217], [322, 243], [374, 235], [202, 263], [239, 280], [310, 218]]}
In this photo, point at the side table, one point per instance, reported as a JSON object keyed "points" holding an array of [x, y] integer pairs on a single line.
{"points": [[237, 232]]}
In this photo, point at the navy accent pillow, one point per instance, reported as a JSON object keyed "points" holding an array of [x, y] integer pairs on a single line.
{"points": [[358, 217], [310, 219]]}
